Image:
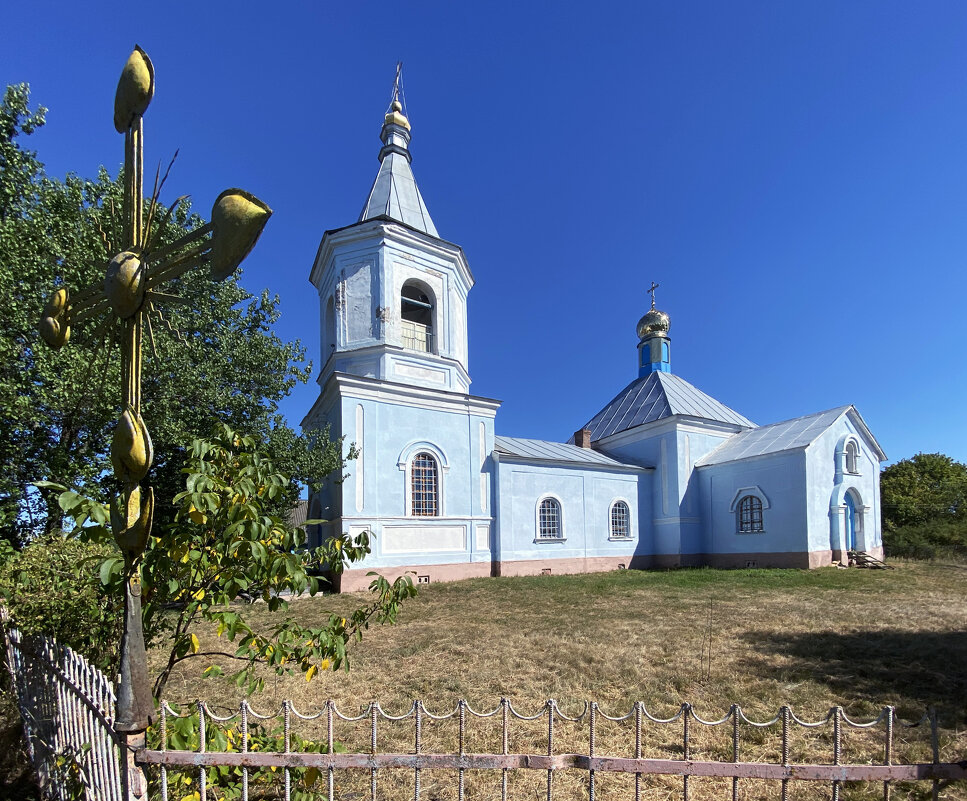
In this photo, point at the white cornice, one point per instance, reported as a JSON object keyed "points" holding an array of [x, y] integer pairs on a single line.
{"points": [[350, 386], [508, 458], [415, 356], [675, 422], [383, 230]]}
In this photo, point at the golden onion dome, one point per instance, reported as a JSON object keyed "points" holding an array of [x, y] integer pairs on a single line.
{"points": [[654, 322]]}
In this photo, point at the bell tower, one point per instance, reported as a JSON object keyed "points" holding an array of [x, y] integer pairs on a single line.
{"points": [[395, 384], [392, 292]]}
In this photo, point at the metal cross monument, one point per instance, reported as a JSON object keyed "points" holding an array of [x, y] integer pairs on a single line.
{"points": [[130, 291]]}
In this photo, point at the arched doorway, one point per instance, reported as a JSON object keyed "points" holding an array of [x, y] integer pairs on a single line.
{"points": [[850, 521]]}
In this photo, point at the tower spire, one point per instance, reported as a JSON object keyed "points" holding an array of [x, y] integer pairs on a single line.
{"points": [[394, 193]]}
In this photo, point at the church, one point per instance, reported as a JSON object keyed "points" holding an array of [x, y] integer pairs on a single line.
{"points": [[663, 476]]}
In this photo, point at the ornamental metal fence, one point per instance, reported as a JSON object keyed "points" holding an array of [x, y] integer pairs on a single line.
{"points": [[227, 760], [549, 752]]}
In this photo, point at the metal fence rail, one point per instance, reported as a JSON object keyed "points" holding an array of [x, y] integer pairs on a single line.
{"points": [[248, 762], [67, 706]]}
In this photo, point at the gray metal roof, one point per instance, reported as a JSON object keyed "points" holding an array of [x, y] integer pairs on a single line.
{"points": [[542, 450], [654, 397], [299, 513], [396, 195], [784, 436]]}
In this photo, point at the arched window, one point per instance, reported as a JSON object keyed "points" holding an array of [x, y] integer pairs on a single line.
{"points": [[750, 515], [416, 317], [620, 521], [549, 520], [851, 454], [425, 486]]}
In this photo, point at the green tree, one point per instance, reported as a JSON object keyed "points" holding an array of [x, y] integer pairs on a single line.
{"points": [[924, 501], [212, 359], [223, 551]]}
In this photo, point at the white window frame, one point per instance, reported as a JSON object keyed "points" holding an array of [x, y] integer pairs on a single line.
{"points": [[851, 446], [405, 465], [842, 467], [537, 518], [611, 535], [743, 492]]}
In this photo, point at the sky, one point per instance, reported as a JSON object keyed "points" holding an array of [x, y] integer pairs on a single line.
{"points": [[792, 174]]}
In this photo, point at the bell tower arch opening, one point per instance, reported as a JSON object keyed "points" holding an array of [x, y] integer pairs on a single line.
{"points": [[417, 310]]}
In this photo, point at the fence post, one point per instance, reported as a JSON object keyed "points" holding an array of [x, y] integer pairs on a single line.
{"points": [[134, 786]]}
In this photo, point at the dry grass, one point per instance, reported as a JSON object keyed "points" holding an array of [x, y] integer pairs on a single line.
{"points": [[813, 640]]}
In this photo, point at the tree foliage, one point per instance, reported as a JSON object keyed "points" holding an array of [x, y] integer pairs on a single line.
{"points": [[52, 587], [213, 359], [924, 501], [224, 551]]}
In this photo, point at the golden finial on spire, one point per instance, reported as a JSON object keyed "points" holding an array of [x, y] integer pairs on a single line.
{"points": [[395, 115]]}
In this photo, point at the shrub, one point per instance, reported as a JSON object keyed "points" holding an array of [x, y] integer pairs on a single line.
{"points": [[933, 540], [53, 587]]}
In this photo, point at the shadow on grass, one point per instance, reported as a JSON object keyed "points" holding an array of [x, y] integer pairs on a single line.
{"points": [[912, 670]]}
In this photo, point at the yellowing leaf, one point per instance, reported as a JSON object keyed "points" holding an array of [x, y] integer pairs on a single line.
{"points": [[220, 632], [312, 775], [199, 595], [338, 545], [195, 645], [311, 672], [195, 516], [324, 665]]}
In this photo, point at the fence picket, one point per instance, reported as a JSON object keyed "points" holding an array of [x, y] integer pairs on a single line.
{"points": [[67, 706]]}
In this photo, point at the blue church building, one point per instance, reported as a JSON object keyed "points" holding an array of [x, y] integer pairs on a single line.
{"points": [[663, 476]]}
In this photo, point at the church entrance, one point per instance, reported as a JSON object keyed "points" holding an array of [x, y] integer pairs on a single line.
{"points": [[850, 522]]}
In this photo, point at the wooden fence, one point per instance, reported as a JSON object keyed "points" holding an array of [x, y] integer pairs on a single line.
{"points": [[67, 706]]}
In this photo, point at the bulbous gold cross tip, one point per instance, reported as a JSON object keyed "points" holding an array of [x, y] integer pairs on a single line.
{"points": [[135, 90]]}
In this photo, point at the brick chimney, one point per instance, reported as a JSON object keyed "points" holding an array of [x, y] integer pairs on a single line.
{"points": [[582, 438]]}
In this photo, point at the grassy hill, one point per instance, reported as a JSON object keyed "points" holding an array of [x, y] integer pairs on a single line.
{"points": [[760, 638]]}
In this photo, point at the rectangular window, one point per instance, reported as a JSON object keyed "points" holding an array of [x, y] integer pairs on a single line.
{"points": [[424, 486]]}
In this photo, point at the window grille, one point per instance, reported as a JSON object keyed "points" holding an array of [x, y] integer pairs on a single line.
{"points": [[620, 521], [425, 486], [550, 520], [750, 515]]}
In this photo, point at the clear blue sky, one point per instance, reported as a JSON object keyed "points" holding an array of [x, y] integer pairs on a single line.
{"points": [[793, 174]]}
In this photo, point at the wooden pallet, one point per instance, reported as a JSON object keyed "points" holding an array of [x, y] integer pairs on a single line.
{"points": [[863, 559]]}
